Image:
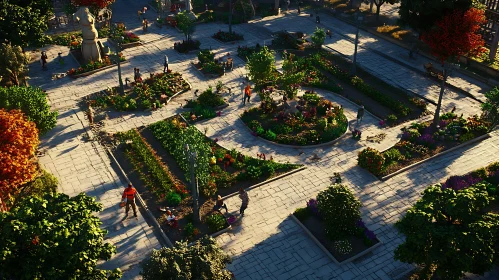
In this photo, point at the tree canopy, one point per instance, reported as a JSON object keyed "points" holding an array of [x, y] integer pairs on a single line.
{"points": [[186, 24], [18, 142], [422, 14], [203, 260], [13, 64], [261, 66], [490, 108], [451, 232], [32, 101], [54, 237]]}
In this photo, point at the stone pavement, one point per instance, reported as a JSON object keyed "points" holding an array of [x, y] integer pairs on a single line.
{"points": [[268, 244]]}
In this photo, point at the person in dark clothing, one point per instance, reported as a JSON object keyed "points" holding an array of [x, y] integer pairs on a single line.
{"points": [[360, 114], [220, 204]]}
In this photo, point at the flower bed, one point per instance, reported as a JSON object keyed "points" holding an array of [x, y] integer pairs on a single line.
{"points": [[228, 37], [489, 174], [71, 39], [90, 67], [185, 47], [289, 40], [421, 141], [149, 94], [316, 121], [208, 64], [119, 30], [156, 162], [245, 52], [334, 221], [204, 107]]}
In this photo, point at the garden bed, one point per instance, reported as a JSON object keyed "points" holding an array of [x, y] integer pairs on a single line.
{"points": [[289, 40], [160, 175], [151, 94], [186, 47], [226, 37], [333, 222], [125, 45], [420, 141], [310, 120], [93, 67], [205, 107]]}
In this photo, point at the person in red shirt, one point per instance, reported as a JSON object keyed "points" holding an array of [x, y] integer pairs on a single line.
{"points": [[247, 93], [129, 194]]}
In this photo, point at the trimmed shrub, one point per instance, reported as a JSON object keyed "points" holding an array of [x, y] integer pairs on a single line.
{"points": [[216, 222], [372, 160], [173, 198], [340, 210], [392, 155], [302, 213]]}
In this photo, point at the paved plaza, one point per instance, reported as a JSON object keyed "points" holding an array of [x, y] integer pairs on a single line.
{"points": [[268, 244]]}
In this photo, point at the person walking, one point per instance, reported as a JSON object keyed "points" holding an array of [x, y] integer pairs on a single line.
{"points": [[44, 60], [328, 33], [247, 94], [243, 195], [360, 114], [138, 78], [220, 204], [129, 195], [317, 19], [165, 64], [299, 9]]}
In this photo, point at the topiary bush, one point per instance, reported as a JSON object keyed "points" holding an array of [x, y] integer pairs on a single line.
{"points": [[372, 160], [302, 213], [216, 222], [173, 198], [340, 210], [254, 172]]}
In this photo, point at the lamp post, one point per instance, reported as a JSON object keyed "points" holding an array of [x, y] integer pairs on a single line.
{"points": [[192, 155], [118, 50], [359, 19]]}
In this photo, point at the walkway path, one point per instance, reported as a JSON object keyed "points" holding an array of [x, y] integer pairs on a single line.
{"points": [[268, 245]]}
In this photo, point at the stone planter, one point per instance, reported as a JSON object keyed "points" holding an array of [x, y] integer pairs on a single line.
{"points": [[124, 46]]}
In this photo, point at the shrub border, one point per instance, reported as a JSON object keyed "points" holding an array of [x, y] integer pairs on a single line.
{"points": [[326, 251], [125, 46], [476, 139], [93, 71], [207, 76]]}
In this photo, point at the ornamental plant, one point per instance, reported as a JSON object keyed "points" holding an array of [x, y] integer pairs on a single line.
{"points": [[18, 143], [32, 101], [451, 231], [203, 260], [261, 66], [372, 160], [54, 237], [318, 37], [13, 64], [340, 210], [216, 222]]}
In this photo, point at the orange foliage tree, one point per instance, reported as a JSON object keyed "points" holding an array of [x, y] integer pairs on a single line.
{"points": [[18, 142]]}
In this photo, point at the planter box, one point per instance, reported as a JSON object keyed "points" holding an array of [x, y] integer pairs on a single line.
{"points": [[328, 252], [124, 46], [206, 75], [95, 71]]}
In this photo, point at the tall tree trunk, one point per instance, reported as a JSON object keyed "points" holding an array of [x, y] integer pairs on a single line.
{"points": [[378, 8], [436, 118], [371, 4]]}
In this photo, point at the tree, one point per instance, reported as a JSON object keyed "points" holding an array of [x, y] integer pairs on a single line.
{"points": [[203, 260], [261, 66], [185, 24], [54, 237], [18, 142], [32, 101], [490, 108], [22, 26], [13, 64], [93, 3], [422, 14], [318, 37], [450, 232], [291, 78], [379, 3], [453, 36]]}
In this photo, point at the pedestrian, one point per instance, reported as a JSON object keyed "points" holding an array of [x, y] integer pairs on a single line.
{"points": [[247, 93], [287, 5], [129, 198], [144, 12], [166, 64], [44, 60], [139, 13], [329, 34], [145, 24], [138, 76], [317, 19], [220, 204], [360, 114], [243, 195], [61, 59], [135, 74], [299, 9], [205, 7], [170, 218]]}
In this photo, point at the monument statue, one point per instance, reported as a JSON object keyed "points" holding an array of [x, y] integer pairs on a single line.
{"points": [[89, 48]]}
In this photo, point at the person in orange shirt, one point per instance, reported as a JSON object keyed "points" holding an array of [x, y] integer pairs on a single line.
{"points": [[129, 194], [247, 93]]}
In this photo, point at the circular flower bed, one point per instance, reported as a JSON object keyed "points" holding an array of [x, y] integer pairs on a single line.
{"points": [[310, 120]]}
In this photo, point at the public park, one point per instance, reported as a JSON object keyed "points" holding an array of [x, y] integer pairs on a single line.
{"points": [[249, 139]]}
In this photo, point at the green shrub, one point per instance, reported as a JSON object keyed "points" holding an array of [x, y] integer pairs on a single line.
{"points": [[302, 213], [260, 130], [254, 125], [372, 160], [44, 183], [205, 56], [270, 135], [268, 169], [189, 230], [493, 167], [393, 155], [480, 173], [466, 137], [173, 199], [392, 119], [216, 222], [254, 172], [209, 98], [146, 104], [413, 134], [340, 210], [312, 98], [322, 124], [32, 102], [282, 129], [448, 116]]}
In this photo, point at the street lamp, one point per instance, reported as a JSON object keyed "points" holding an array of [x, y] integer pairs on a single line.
{"points": [[359, 18], [192, 155], [118, 50]]}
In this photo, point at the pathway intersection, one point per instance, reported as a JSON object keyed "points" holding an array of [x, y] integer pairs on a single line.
{"points": [[268, 244]]}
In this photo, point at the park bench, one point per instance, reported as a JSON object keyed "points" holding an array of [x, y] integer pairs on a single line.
{"points": [[434, 72]]}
